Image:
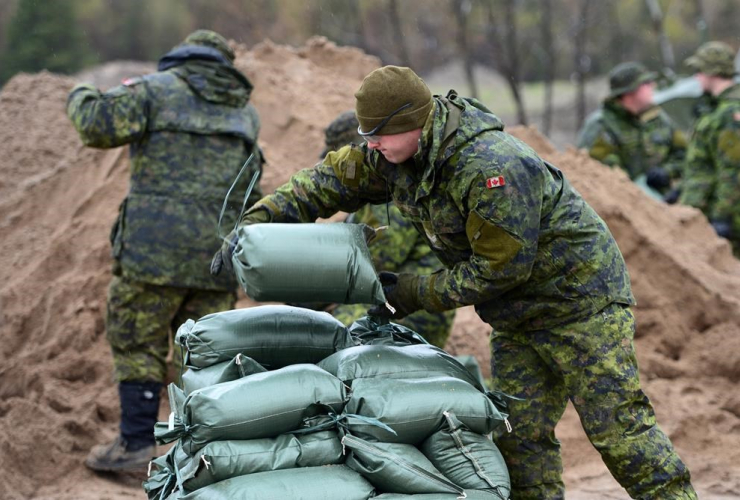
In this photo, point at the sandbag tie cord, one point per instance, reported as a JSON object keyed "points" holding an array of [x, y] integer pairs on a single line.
{"points": [[244, 203], [340, 421]]}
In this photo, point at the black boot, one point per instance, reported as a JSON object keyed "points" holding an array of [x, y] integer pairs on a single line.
{"points": [[134, 447]]}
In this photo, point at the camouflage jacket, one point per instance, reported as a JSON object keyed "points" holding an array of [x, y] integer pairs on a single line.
{"points": [[190, 130], [712, 175], [616, 137], [517, 240], [399, 248]]}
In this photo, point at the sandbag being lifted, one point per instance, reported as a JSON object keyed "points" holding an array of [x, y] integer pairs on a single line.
{"points": [[273, 335], [307, 263]]}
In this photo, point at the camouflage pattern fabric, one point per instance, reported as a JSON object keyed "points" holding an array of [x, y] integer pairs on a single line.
{"points": [[340, 132], [516, 239], [139, 321], [400, 249], [591, 363], [190, 129], [712, 175], [617, 138]]}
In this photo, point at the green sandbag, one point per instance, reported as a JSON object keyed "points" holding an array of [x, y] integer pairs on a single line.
{"points": [[161, 477], [386, 361], [222, 460], [395, 467], [469, 495], [414, 408], [371, 330], [468, 459], [471, 364], [332, 482], [198, 378], [258, 406], [307, 263], [273, 335]]}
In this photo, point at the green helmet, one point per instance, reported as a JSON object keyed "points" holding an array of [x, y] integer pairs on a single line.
{"points": [[211, 39], [341, 131], [713, 58], [626, 77]]}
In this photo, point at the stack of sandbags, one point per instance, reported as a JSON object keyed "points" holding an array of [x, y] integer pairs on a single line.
{"points": [[284, 402]]}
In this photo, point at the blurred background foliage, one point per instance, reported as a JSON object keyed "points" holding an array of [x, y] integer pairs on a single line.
{"points": [[538, 44]]}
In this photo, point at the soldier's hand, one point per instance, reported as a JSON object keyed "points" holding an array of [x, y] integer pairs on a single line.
{"points": [[658, 178], [222, 258], [401, 292]]}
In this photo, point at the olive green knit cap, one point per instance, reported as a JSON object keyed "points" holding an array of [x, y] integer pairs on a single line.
{"points": [[384, 92]]}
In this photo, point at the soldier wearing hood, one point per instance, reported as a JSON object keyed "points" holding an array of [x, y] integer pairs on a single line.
{"points": [[190, 128], [522, 246]]}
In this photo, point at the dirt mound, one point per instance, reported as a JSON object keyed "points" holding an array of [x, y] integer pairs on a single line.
{"points": [[58, 199]]}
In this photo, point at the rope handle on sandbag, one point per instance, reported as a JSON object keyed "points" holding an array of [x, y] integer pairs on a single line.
{"points": [[340, 421], [244, 203]]}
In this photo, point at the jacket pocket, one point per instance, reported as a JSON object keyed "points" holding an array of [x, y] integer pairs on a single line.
{"points": [[116, 232]]}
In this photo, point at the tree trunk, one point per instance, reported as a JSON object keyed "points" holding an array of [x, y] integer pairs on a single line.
{"points": [[666, 50], [461, 9], [508, 61], [549, 46], [398, 38], [582, 63]]}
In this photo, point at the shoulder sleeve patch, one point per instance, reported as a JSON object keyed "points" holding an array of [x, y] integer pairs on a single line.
{"points": [[490, 241], [347, 164]]}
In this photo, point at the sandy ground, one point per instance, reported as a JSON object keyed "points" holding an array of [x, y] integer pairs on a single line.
{"points": [[58, 199]]}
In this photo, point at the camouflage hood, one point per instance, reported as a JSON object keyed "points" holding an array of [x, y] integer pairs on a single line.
{"points": [[209, 73]]}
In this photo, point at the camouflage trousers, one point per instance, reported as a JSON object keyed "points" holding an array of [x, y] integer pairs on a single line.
{"points": [[140, 321], [434, 327], [592, 363]]}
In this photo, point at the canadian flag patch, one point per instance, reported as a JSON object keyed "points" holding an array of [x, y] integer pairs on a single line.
{"points": [[494, 182]]}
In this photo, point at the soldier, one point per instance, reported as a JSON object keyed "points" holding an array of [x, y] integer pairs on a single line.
{"points": [[631, 133], [520, 244], [712, 175], [190, 128], [399, 248]]}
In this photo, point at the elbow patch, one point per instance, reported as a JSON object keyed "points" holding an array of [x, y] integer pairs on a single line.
{"points": [[347, 164], [729, 144], [491, 241]]}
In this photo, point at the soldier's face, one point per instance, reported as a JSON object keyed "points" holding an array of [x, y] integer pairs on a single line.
{"points": [[396, 148]]}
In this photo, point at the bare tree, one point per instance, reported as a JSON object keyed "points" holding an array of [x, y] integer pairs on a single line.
{"points": [[507, 60], [582, 62], [666, 50], [398, 38], [550, 61], [461, 10]]}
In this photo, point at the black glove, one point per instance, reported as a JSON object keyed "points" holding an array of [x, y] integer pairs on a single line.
{"points": [[723, 228], [672, 196], [658, 178], [401, 293], [222, 258]]}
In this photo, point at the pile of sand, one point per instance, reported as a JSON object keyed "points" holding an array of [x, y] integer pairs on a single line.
{"points": [[58, 199]]}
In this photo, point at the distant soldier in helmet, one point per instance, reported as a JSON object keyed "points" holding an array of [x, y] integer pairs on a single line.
{"points": [[630, 132], [712, 174], [190, 128], [399, 248]]}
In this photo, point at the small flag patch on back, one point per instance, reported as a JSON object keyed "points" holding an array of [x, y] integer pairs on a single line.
{"points": [[494, 182]]}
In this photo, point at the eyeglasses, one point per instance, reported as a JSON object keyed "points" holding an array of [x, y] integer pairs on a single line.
{"points": [[372, 135]]}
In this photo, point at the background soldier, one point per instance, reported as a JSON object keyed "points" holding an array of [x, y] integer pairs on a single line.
{"points": [[712, 175], [520, 244], [630, 132], [190, 128], [399, 248]]}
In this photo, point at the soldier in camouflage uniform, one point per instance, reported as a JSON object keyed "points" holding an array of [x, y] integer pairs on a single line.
{"points": [[629, 132], [190, 128], [399, 248], [712, 175], [519, 243]]}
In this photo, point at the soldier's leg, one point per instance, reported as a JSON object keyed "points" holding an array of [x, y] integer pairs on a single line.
{"points": [[137, 327], [531, 451], [597, 359]]}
